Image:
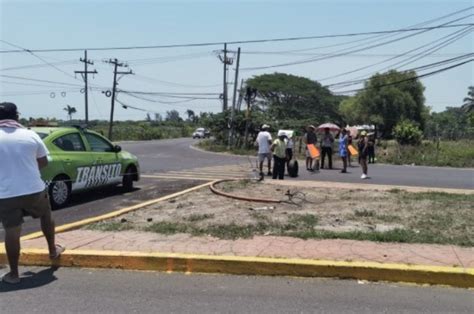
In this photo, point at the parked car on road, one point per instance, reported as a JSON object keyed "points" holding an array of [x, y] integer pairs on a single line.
{"points": [[81, 159], [201, 133]]}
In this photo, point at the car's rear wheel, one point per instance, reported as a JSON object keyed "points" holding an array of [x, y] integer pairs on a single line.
{"points": [[127, 180], [59, 191]]}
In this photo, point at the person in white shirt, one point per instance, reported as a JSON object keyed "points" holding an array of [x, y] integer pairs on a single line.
{"points": [[264, 141], [22, 153]]}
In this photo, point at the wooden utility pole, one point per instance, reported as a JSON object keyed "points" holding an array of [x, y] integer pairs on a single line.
{"points": [[84, 77], [234, 96], [114, 89]]}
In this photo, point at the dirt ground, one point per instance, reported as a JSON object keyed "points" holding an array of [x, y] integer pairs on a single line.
{"points": [[331, 210]]}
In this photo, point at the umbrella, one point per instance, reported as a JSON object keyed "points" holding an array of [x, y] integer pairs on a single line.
{"points": [[353, 131], [330, 126]]}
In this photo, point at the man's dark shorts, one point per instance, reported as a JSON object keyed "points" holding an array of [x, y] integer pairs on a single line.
{"points": [[13, 209]]}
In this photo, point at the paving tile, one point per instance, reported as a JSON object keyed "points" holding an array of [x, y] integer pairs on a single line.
{"points": [[265, 246]]}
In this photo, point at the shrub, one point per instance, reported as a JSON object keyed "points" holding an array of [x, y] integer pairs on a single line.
{"points": [[407, 133]]}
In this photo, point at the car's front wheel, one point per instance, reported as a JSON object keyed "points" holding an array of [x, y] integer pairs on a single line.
{"points": [[127, 181], [59, 191]]}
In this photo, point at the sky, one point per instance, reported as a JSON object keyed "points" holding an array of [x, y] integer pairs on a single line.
{"points": [[197, 72]]}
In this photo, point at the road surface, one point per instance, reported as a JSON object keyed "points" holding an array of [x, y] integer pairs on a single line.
{"points": [[176, 155], [116, 291]]}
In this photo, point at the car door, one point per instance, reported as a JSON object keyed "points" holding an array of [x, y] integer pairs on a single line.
{"points": [[107, 168], [71, 152]]}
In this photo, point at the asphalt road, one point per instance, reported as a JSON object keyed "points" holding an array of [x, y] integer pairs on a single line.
{"points": [[116, 291], [176, 154]]}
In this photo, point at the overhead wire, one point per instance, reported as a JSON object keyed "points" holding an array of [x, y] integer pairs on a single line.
{"points": [[409, 79], [446, 40], [345, 52], [203, 44]]}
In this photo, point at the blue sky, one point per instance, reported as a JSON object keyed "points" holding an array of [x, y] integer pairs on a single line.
{"points": [[78, 24]]}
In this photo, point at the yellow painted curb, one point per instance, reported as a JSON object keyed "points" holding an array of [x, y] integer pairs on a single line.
{"points": [[192, 263], [119, 212]]}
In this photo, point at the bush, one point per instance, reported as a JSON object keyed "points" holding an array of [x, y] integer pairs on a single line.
{"points": [[407, 133]]}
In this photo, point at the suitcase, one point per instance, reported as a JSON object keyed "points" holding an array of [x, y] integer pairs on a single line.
{"points": [[293, 168]]}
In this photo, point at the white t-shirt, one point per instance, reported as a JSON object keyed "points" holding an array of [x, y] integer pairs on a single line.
{"points": [[263, 139], [19, 172]]}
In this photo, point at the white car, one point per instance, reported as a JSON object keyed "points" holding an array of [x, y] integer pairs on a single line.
{"points": [[201, 133]]}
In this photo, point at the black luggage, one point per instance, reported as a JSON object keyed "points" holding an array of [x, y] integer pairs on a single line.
{"points": [[293, 168]]}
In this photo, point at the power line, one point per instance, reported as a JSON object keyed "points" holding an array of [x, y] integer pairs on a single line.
{"points": [[450, 36], [332, 55], [148, 79], [237, 41], [38, 80], [38, 57], [423, 67], [409, 79]]}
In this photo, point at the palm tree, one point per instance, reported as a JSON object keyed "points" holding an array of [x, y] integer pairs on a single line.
{"points": [[70, 111], [469, 100]]}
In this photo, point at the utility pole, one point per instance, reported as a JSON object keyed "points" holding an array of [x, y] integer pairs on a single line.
{"points": [[84, 77], [226, 61], [114, 89], [234, 96], [250, 95]]}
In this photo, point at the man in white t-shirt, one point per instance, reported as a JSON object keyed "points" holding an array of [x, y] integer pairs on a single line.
{"points": [[264, 141], [22, 190]]}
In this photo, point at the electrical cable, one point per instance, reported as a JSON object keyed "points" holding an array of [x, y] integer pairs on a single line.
{"points": [[394, 57], [38, 57], [409, 79], [236, 41], [345, 52]]}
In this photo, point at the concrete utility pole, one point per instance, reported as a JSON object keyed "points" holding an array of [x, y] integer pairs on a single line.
{"points": [[84, 77], [234, 96], [114, 89], [226, 61]]}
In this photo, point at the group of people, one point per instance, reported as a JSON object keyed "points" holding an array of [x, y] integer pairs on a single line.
{"points": [[281, 150], [22, 191]]}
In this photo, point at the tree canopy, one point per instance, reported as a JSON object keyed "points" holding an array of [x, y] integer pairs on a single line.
{"points": [[387, 99], [284, 96]]}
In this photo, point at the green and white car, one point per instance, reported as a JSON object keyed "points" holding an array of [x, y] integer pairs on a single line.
{"points": [[80, 159]]}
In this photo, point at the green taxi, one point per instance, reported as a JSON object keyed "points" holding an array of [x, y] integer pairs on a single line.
{"points": [[81, 159]]}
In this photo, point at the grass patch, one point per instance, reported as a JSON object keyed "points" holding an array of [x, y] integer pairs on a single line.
{"points": [[199, 217], [110, 226], [449, 153], [364, 213], [165, 227]]}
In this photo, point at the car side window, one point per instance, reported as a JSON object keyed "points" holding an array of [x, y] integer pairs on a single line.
{"points": [[70, 143], [98, 144]]}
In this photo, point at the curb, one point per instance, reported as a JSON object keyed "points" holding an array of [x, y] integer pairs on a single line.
{"points": [[190, 263]]}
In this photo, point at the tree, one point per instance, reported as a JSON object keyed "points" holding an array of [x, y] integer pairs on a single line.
{"points": [[452, 124], [469, 100], [386, 100], [285, 96], [70, 111], [407, 133], [173, 116], [191, 115], [158, 117]]}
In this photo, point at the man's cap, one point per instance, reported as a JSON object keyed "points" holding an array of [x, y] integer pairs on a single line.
{"points": [[363, 133], [311, 127], [8, 109], [265, 126]]}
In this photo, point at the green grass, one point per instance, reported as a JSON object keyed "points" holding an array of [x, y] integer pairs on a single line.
{"points": [[364, 213], [199, 217], [450, 153], [110, 226]]}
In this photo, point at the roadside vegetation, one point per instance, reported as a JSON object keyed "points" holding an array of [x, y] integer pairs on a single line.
{"points": [[384, 216]]}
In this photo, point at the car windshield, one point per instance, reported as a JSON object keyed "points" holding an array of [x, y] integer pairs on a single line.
{"points": [[42, 135], [200, 130]]}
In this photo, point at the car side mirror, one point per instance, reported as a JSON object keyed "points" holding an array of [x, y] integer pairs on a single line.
{"points": [[117, 149]]}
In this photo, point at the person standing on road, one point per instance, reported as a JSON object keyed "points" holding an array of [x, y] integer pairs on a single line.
{"points": [[289, 150], [343, 149], [371, 148], [264, 140], [309, 138], [22, 190], [279, 156], [363, 146], [326, 147]]}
